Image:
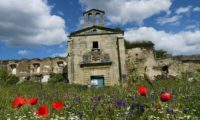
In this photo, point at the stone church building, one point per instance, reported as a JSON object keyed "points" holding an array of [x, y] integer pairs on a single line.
{"points": [[96, 53]]}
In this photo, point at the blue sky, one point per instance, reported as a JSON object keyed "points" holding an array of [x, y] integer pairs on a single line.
{"points": [[39, 28]]}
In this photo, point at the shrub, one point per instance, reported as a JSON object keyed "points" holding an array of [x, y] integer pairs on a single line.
{"points": [[145, 44], [161, 54], [8, 78], [12, 79], [56, 77]]}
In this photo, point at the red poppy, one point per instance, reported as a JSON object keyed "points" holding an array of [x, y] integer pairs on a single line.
{"points": [[42, 111], [33, 101], [57, 105], [142, 90], [165, 96], [19, 101]]}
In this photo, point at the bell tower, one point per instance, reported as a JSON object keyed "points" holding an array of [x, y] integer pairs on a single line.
{"points": [[93, 17]]}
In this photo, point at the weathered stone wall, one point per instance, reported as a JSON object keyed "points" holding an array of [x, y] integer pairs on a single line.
{"points": [[140, 58], [82, 45], [26, 69], [3, 65], [103, 70], [23, 68]]}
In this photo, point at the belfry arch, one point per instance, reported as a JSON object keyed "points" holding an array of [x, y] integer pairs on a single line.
{"points": [[94, 17]]}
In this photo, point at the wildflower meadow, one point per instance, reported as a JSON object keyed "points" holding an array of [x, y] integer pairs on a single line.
{"points": [[141, 100]]}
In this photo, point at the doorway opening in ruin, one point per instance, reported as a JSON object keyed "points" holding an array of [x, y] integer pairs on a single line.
{"points": [[165, 70], [60, 64], [97, 81], [36, 68], [14, 69]]}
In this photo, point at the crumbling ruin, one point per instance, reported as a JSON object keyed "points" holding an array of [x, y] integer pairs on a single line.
{"points": [[27, 69]]}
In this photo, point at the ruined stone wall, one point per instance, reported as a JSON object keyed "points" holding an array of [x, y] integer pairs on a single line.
{"points": [[142, 59], [23, 68], [3, 65], [28, 68], [138, 59]]}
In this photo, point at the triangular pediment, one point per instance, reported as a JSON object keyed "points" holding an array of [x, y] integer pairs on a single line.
{"points": [[96, 30]]}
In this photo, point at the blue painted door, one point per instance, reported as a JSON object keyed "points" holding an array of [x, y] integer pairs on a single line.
{"points": [[99, 80]]}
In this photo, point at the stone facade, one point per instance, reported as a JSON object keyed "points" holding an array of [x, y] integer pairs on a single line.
{"points": [[96, 51]]}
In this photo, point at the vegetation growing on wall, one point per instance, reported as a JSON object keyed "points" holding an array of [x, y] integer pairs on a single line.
{"points": [[118, 29], [161, 54], [135, 44]]}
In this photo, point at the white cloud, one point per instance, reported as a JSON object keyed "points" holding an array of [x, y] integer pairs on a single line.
{"points": [[183, 10], [124, 11], [23, 52], [166, 20], [29, 22], [187, 9], [80, 24], [196, 9], [168, 12], [187, 42], [191, 27], [60, 13]]}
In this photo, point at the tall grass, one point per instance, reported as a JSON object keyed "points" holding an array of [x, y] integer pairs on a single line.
{"points": [[92, 103]]}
